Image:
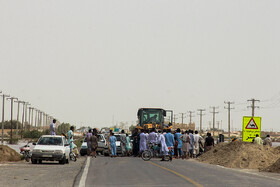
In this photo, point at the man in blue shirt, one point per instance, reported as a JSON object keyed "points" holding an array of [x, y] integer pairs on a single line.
{"points": [[169, 138], [180, 143], [113, 140]]}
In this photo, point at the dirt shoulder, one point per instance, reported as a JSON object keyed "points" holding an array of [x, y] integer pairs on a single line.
{"points": [[46, 174], [242, 155]]}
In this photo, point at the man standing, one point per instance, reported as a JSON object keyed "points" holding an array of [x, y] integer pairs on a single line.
{"points": [[94, 143], [152, 138], [108, 141], [267, 141], [70, 135], [123, 142], [258, 140], [52, 127], [163, 146], [143, 141], [169, 138], [191, 143], [89, 134], [177, 136], [209, 142], [197, 139], [185, 138], [136, 140], [113, 140], [128, 146]]}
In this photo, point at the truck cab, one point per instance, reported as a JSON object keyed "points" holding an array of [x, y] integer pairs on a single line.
{"points": [[154, 118]]}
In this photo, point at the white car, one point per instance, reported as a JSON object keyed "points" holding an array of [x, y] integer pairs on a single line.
{"points": [[51, 148], [100, 148]]}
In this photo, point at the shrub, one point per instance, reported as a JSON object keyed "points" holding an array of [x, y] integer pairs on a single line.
{"points": [[32, 134]]}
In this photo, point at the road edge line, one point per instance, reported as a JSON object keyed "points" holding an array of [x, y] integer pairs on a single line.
{"points": [[178, 174], [83, 179], [81, 173]]}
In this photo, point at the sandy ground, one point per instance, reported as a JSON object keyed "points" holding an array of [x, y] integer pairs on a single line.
{"points": [[47, 174]]}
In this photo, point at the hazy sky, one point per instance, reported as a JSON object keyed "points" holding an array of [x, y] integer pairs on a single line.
{"points": [[86, 61]]}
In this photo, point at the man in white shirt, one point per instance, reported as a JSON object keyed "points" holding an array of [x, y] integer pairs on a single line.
{"points": [[52, 127], [152, 138], [197, 139]]}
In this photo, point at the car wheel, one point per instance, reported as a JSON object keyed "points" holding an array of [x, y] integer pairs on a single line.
{"points": [[40, 161], [63, 161], [34, 161]]}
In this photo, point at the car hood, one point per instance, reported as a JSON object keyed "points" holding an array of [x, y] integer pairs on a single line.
{"points": [[49, 147]]}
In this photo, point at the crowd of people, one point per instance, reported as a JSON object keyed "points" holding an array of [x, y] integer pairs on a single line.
{"points": [[124, 144], [266, 141], [92, 142], [185, 144]]}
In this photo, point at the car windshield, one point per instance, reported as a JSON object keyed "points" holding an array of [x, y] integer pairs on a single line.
{"points": [[50, 141]]}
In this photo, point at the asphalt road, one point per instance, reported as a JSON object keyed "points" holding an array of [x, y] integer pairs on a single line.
{"points": [[124, 171]]}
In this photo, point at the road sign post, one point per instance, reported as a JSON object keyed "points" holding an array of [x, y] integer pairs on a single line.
{"points": [[251, 127]]}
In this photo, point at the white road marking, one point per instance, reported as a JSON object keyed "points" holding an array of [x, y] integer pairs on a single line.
{"points": [[82, 182], [248, 172]]}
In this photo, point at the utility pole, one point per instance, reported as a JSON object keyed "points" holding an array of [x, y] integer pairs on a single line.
{"points": [[31, 124], [12, 110], [190, 115], [175, 118], [253, 106], [47, 119], [42, 119], [35, 120], [214, 112], [182, 116], [200, 114], [17, 116], [38, 120], [22, 121], [29, 115], [218, 123], [229, 108], [3, 115], [26, 104]]}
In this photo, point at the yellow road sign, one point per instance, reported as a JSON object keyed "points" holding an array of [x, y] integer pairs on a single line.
{"points": [[251, 127]]}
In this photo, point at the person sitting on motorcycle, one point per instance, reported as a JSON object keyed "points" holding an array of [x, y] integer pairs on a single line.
{"points": [[163, 146]]}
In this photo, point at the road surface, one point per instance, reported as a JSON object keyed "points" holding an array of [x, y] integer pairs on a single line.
{"points": [[124, 171]]}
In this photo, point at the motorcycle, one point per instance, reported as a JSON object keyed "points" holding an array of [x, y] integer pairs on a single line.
{"points": [[25, 151], [154, 151]]}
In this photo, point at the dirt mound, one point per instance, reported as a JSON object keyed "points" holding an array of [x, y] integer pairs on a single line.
{"points": [[8, 155], [274, 167], [241, 155]]}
